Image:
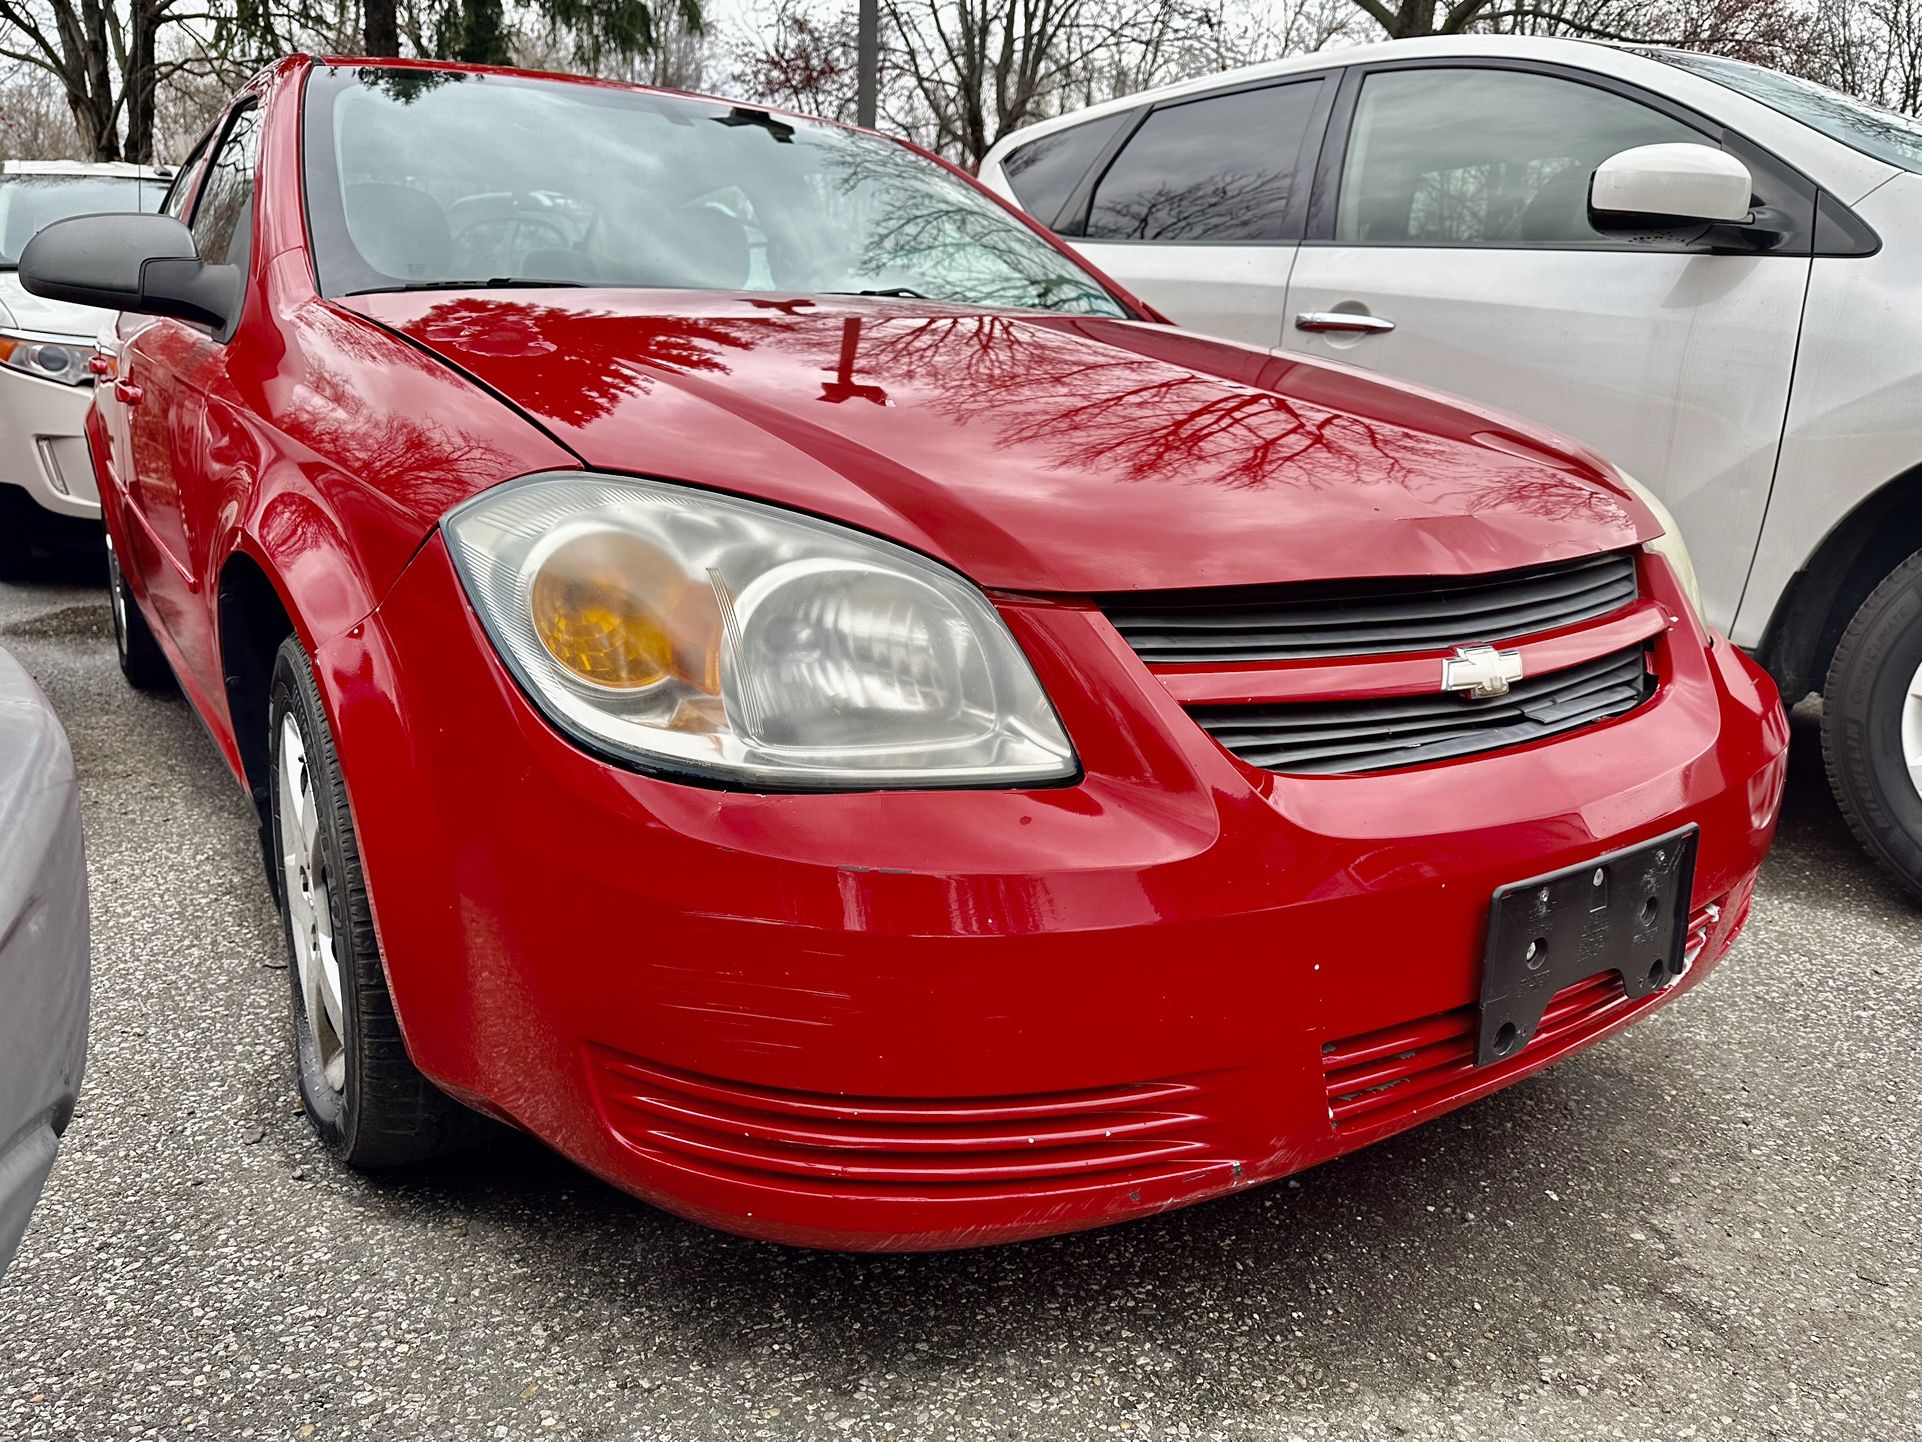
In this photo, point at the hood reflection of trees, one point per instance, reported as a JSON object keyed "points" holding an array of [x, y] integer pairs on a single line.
{"points": [[1093, 405], [594, 377]]}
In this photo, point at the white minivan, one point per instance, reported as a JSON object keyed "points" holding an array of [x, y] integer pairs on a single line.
{"points": [[1709, 271]]}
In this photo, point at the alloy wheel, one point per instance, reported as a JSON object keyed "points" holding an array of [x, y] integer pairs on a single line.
{"points": [[117, 596], [307, 885], [1912, 729]]}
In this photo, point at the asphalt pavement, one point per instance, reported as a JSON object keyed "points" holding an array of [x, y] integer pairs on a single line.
{"points": [[1705, 1228]]}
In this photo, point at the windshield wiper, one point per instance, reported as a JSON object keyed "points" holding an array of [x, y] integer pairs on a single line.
{"points": [[499, 282], [896, 292]]}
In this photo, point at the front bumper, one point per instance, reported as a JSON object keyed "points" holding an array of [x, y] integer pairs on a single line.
{"points": [[43, 446], [930, 1019]]}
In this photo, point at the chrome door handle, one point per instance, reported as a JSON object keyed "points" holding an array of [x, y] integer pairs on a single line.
{"points": [[1342, 320]]}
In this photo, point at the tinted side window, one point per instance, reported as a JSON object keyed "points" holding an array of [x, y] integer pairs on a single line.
{"points": [[1044, 172], [224, 213], [1483, 157], [182, 189], [1220, 168]]}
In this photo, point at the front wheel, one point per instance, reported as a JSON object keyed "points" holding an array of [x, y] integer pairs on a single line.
{"points": [[362, 1092], [1872, 723]]}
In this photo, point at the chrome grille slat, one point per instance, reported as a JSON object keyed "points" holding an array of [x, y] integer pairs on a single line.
{"points": [[1372, 618], [1340, 738]]}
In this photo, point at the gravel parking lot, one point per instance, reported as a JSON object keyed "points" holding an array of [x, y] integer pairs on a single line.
{"points": [[1705, 1228]]}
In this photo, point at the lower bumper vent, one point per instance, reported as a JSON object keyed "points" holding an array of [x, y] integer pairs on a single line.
{"points": [[1386, 1075], [888, 1145]]}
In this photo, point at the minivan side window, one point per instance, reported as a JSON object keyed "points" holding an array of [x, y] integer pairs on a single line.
{"points": [[1459, 156], [1221, 168], [224, 211], [1044, 173]]}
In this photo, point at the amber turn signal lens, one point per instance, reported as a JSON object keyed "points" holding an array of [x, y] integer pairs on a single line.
{"points": [[602, 604]]}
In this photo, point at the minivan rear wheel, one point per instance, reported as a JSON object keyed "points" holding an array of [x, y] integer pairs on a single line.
{"points": [[1872, 723]]}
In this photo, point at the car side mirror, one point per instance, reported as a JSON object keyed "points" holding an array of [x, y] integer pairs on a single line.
{"points": [[145, 264], [1666, 187], [1676, 184]]}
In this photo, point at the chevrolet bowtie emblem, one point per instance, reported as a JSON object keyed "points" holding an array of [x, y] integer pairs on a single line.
{"points": [[1481, 671]]}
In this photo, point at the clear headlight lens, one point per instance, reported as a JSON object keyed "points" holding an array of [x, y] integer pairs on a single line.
{"points": [[1669, 544], [740, 641], [49, 359]]}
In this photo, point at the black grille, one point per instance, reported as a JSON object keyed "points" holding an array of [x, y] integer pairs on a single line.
{"points": [[1327, 738], [1283, 623]]}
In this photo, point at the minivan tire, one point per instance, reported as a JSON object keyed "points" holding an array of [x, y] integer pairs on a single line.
{"points": [[1876, 662], [376, 1110]]}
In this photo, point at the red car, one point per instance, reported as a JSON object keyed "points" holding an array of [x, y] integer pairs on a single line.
{"points": [[758, 667]]}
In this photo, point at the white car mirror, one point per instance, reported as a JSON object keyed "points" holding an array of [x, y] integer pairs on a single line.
{"points": [[1678, 182]]}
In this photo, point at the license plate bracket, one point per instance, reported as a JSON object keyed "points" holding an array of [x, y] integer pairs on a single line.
{"points": [[1625, 912]]}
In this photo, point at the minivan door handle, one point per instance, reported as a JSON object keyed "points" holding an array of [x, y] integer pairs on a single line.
{"points": [[1343, 320]]}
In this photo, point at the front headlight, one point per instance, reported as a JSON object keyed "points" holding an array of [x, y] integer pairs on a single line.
{"points": [[1669, 544], [51, 360], [698, 632]]}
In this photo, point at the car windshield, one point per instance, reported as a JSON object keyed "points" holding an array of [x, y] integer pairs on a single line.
{"points": [[441, 179], [1870, 129], [29, 203]]}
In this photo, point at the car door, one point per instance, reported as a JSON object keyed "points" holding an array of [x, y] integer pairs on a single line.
{"points": [[117, 415], [1196, 203], [1450, 217], [166, 368]]}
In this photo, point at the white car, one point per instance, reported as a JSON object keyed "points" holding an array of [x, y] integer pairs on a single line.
{"points": [[1710, 272], [45, 386], [43, 946]]}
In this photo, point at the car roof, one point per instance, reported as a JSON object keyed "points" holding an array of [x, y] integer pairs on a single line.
{"points": [[121, 168], [1539, 47]]}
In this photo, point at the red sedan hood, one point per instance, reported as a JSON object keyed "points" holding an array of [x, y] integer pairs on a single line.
{"points": [[1032, 452]]}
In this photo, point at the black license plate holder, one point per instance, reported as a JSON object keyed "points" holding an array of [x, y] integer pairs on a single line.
{"points": [[1625, 912]]}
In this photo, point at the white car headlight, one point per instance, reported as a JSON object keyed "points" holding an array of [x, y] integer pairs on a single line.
{"points": [[701, 633], [1669, 544], [51, 360]]}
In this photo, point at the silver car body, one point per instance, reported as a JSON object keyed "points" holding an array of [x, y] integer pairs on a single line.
{"points": [[44, 967], [42, 448], [1774, 402]]}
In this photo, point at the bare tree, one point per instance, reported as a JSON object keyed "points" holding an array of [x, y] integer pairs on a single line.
{"points": [[35, 123], [979, 68], [102, 59], [801, 60]]}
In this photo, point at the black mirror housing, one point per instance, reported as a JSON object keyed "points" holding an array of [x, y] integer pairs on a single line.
{"points": [[145, 264]]}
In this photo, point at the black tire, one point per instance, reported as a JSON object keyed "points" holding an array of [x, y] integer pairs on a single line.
{"points": [[16, 553], [142, 661], [1862, 704], [383, 1113]]}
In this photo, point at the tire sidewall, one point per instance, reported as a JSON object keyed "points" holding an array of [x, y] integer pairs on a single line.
{"points": [[1862, 708], [332, 1113]]}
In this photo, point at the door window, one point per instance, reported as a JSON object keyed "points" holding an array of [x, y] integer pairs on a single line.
{"points": [[1044, 173], [1461, 157], [181, 192], [1217, 169], [224, 213]]}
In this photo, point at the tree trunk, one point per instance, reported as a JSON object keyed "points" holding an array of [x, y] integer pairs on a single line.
{"points": [[381, 29], [141, 81]]}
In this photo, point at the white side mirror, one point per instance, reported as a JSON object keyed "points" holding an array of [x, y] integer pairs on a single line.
{"points": [[1677, 182]]}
